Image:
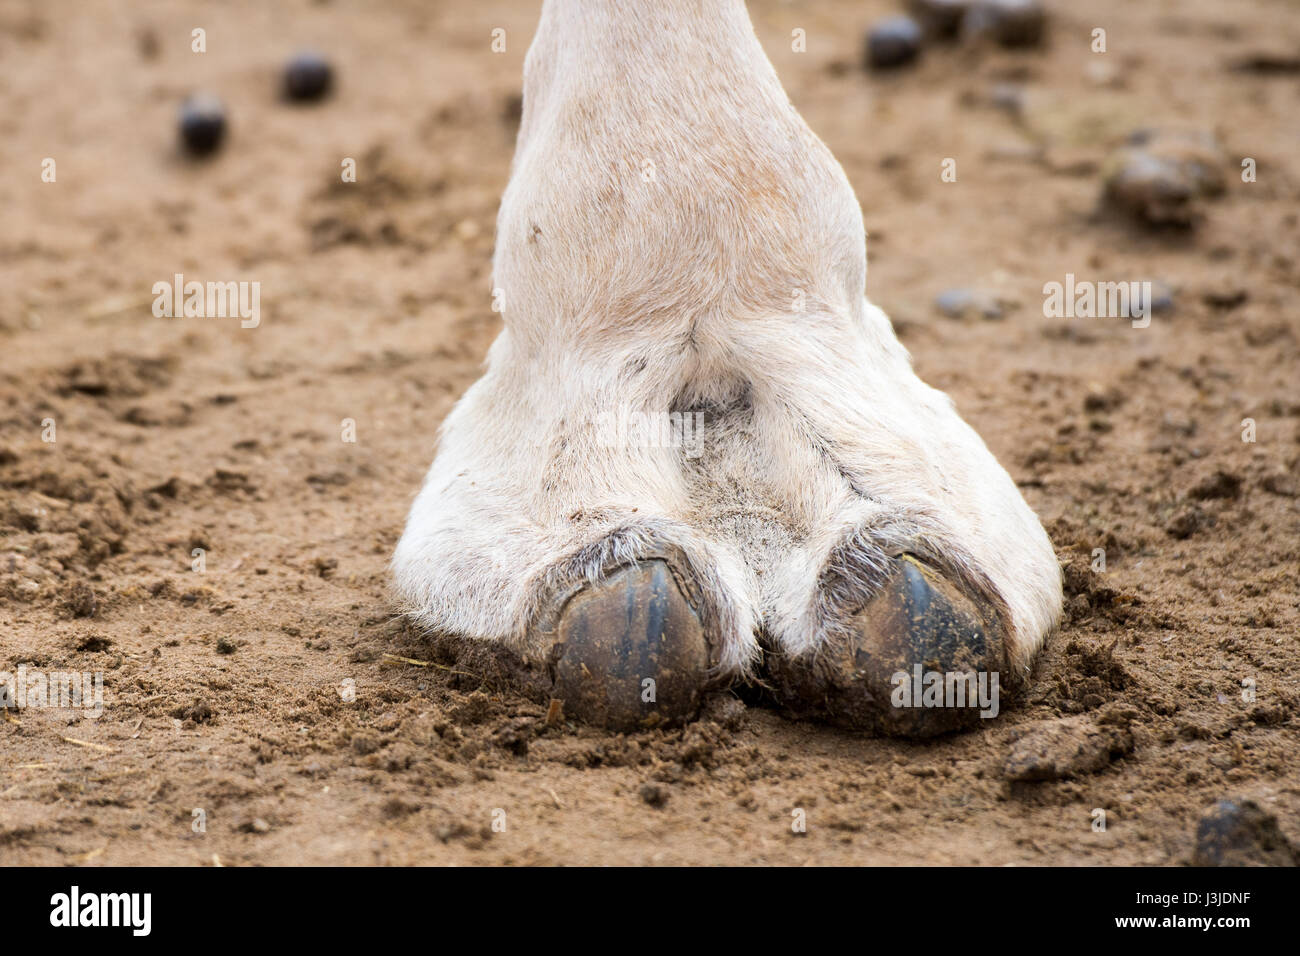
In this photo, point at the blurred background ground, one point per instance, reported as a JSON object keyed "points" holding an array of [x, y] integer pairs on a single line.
{"points": [[174, 434]]}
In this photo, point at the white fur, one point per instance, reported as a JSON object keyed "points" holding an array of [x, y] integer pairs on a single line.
{"points": [[674, 237]]}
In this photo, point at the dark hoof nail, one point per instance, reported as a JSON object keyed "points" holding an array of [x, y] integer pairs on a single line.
{"points": [[630, 652], [921, 659]]}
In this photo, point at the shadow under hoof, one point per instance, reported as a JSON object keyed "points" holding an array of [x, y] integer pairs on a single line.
{"points": [[921, 659]]}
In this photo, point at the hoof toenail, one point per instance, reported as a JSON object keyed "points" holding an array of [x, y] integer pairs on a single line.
{"points": [[920, 659], [630, 652]]}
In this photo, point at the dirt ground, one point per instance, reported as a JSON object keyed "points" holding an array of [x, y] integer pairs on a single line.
{"points": [[226, 689]]}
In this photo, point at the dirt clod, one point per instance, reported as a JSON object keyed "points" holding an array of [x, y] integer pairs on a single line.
{"points": [[654, 794], [1241, 833], [1052, 750], [80, 599]]}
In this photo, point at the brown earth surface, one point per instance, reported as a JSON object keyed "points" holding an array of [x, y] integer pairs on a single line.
{"points": [[225, 689]]}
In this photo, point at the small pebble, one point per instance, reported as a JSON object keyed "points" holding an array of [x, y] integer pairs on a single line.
{"points": [[1012, 23], [202, 124], [308, 77], [893, 42], [1159, 177], [1162, 299], [1152, 188], [1241, 833]]}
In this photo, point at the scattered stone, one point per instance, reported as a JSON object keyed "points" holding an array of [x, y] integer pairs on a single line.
{"points": [[1054, 749], [308, 77], [654, 794], [1159, 178], [941, 19], [1015, 24], [1152, 188], [1241, 833], [202, 124], [1161, 296], [893, 42]]}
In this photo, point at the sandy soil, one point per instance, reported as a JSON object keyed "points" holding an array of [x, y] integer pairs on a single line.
{"points": [[225, 688]]}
